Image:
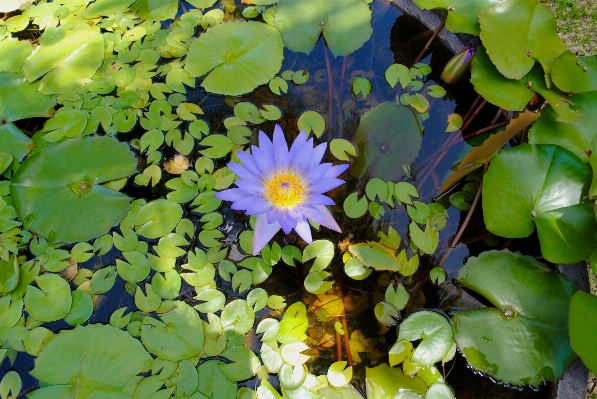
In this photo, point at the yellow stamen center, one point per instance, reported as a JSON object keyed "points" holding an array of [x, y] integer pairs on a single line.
{"points": [[285, 189]]}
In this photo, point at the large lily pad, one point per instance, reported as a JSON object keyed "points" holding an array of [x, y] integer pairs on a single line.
{"points": [[159, 10], [543, 185], [583, 324], [93, 360], [15, 142], [388, 136], [517, 33], [236, 56], [463, 15], [345, 24], [524, 339], [20, 99], [579, 137], [513, 95], [60, 188], [573, 74], [77, 56]]}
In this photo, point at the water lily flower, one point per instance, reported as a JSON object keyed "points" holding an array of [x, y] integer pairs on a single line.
{"points": [[283, 187], [458, 65]]}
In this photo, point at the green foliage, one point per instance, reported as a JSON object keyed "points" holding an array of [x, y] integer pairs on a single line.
{"points": [[581, 322], [530, 314]]}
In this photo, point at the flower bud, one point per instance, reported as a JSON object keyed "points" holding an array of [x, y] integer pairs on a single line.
{"points": [[458, 65]]}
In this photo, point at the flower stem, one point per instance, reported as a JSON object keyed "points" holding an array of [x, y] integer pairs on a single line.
{"points": [[431, 39]]}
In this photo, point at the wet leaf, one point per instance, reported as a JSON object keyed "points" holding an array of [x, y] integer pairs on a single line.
{"points": [[20, 99], [398, 73], [542, 185], [61, 187], [454, 123], [341, 148], [384, 382], [213, 383], [425, 240], [344, 32], [232, 54], [530, 314], [158, 218], [51, 301], [354, 207], [361, 86], [311, 121], [375, 255]]}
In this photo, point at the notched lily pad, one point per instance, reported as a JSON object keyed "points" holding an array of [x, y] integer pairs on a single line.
{"points": [[237, 57], [60, 188], [524, 338]]}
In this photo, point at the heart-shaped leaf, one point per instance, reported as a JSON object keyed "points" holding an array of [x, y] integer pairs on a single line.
{"points": [[517, 33], [82, 363], [388, 137], [232, 55], [20, 99], [463, 15], [77, 56], [434, 330], [524, 339], [61, 189], [543, 185], [345, 24], [580, 136]]}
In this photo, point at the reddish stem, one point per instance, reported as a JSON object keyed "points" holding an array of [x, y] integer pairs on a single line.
{"points": [[430, 41], [330, 90]]}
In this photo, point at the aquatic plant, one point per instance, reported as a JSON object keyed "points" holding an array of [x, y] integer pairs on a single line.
{"points": [[284, 187]]}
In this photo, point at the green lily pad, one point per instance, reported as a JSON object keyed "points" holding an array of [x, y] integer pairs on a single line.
{"points": [[179, 334], [237, 57], [158, 10], [77, 56], [106, 8], [583, 324], [517, 33], [9, 274], [434, 330], [543, 185], [579, 137], [14, 52], [376, 256], [524, 339], [82, 364], [572, 74], [388, 137], [158, 218], [463, 15], [345, 24], [15, 142], [51, 301], [513, 95], [61, 189], [384, 382], [20, 99]]}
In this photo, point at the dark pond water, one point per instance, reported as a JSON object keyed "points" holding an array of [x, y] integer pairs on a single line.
{"points": [[397, 38]]}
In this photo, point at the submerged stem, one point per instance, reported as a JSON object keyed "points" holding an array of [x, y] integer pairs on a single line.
{"points": [[431, 39]]}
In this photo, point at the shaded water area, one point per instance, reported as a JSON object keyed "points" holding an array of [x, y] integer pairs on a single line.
{"points": [[397, 38]]}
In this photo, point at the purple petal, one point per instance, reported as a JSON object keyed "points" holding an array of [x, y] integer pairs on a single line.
{"points": [[232, 194], [280, 148], [252, 205], [319, 199], [287, 224], [336, 170], [264, 162], [242, 171], [328, 220], [299, 142], [264, 232], [318, 171], [249, 162], [251, 187], [304, 230], [317, 154], [325, 185], [303, 157], [265, 144]]}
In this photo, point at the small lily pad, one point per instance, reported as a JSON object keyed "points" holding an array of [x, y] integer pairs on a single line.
{"points": [[60, 188]]}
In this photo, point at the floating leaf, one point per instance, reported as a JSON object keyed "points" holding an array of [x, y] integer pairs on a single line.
{"points": [[376, 256], [78, 361], [398, 73], [346, 24], [179, 334], [67, 122], [462, 14], [426, 240], [542, 185], [311, 121], [77, 56], [384, 382], [61, 188], [582, 323], [517, 33], [15, 142], [454, 123], [213, 383], [571, 74], [362, 86], [20, 99], [434, 330], [156, 10], [388, 136], [232, 55], [158, 218], [524, 339]]}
